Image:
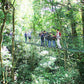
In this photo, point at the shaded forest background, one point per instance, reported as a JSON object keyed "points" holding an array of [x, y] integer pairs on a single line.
{"points": [[21, 63]]}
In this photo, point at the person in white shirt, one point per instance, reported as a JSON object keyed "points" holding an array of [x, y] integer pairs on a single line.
{"points": [[58, 36]]}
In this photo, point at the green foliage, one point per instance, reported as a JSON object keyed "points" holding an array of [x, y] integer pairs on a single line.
{"points": [[9, 18], [1, 16], [26, 67], [7, 38], [6, 56], [38, 65]]}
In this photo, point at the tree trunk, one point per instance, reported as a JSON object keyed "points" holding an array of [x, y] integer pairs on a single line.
{"points": [[81, 55], [73, 22], [0, 48], [1, 31], [83, 21], [34, 28], [13, 46], [73, 26], [81, 71]]}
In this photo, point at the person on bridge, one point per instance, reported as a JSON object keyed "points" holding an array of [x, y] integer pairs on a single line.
{"points": [[49, 39], [42, 38], [54, 39], [58, 36], [45, 38], [25, 35], [29, 35]]}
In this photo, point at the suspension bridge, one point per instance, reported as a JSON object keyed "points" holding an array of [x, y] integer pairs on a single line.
{"points": [[68, 43]]}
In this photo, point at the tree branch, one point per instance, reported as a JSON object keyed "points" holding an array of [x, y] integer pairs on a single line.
{"points": [[13, 2]]}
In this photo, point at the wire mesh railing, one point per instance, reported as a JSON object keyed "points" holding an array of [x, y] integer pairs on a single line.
{"points": [[67, 42], [73, 42]]}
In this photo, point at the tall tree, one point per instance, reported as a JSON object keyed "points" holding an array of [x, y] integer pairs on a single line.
{"points": [[1, 31], [82, 9], [80, 64], [73, 22], [13, 37]]}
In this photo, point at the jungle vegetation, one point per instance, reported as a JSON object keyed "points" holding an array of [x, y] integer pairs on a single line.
{"points": [[23, 63]]}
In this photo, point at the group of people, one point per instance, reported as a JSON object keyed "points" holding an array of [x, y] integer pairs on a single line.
{"points": [[27, 35], [49, 39]]}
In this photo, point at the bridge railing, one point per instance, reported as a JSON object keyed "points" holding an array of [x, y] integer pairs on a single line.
{"points": [[70, 42]]}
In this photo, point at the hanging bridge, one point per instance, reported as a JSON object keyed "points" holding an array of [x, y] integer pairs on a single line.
{"points": [[68, 43]]}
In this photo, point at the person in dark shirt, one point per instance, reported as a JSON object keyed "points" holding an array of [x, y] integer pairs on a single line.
{"points": [[54, 38], [49, 40], [25, 35], [42, 38], [45, 37]]}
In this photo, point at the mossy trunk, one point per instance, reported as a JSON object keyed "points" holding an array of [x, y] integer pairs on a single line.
{"points": [[34, 29], [1, 63], [73, 26], [83, 22], [81, 56], [1, 31], [13, 46], [81, 72], [0, 48]]}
